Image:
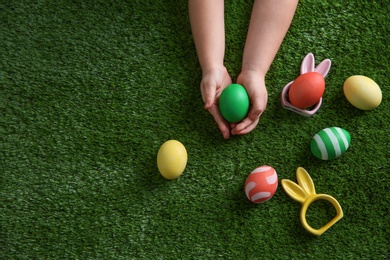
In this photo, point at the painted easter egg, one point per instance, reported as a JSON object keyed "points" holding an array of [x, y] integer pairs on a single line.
{"points": [[171, 159], [362, 92], [307, 90], [330, 143], [261, 184], [234, 103]]}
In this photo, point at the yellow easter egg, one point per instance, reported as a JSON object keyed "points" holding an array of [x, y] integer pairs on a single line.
{"points": [[171, 159], [362, 92]]}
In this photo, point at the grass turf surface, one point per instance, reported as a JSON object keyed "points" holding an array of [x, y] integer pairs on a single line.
{"points": [[91, 89]]}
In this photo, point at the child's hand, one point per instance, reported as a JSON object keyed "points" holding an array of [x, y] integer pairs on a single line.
{"points": [[258, 96], [213, 82]]}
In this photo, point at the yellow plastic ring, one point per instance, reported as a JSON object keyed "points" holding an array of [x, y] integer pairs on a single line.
{"points": [[310, 200]]}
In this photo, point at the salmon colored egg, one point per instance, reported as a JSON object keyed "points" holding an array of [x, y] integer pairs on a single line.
{"points": [[261, 184], [307, 90]]}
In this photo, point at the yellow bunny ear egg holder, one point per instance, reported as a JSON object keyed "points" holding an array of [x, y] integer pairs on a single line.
{"points": [[304, 192]]}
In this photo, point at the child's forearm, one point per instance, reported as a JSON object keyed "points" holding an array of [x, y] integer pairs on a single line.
{"points": [[269, 23], [208, 29]]}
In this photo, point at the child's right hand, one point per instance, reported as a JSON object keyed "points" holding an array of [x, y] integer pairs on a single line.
{"points": [[254, 84], [214, 81]]}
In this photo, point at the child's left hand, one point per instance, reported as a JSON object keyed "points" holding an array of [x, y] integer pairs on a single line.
{"points": [[254, 84]]}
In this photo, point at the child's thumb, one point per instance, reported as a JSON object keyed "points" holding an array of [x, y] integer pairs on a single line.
{"points": [[256, 111], [208, 95]]}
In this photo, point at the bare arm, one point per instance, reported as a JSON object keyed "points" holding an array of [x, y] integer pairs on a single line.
{"points": [[208, 30], [269, 23]]}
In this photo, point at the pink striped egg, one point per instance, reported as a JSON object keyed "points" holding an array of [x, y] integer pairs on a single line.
{"points": [[261, 184]]}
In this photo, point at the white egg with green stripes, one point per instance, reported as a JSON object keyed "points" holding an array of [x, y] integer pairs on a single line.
{"points": [[330, 143]]}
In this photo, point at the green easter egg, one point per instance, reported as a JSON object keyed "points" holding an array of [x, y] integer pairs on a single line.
{"points": [[234, 103], [330, 143]]}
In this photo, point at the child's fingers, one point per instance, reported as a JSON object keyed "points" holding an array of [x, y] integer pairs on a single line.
{"points": [[208, 94], [245, 127], [249, 123], [256, 110], [222, 124]]}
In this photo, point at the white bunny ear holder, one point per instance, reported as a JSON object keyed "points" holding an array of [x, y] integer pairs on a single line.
{"points": [[308, 65]]}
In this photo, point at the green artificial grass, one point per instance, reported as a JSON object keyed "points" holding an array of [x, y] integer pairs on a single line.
{"points": [[91, 89]]}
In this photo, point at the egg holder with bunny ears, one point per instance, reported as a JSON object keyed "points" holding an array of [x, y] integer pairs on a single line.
{"points": [[304, 192], [308, 65]]}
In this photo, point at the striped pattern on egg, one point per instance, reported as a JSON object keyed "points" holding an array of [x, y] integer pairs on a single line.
{"points": [[330, 143], [261, 184]]}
